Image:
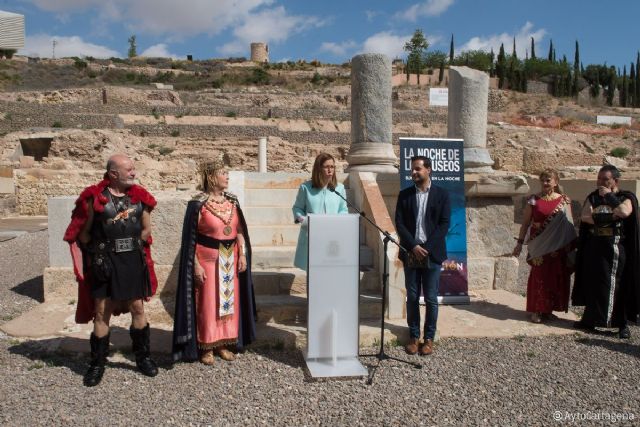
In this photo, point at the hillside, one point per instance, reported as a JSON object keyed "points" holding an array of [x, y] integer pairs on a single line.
{"points": [[223, 108]]}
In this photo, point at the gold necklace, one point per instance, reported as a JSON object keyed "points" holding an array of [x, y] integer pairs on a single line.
{"points": [[549, 197], [225, 214]]}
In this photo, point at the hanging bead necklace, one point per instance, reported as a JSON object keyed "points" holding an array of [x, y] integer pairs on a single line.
{"points": [[221, 210]]}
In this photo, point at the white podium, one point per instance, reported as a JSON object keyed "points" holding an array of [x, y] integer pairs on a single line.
{"points": [[333, 295]]}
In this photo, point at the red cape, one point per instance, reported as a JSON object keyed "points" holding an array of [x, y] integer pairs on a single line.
{"points": [[85, 308]]}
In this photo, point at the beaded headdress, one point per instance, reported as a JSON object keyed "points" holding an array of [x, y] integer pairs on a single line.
{"points": [[208, 169]]}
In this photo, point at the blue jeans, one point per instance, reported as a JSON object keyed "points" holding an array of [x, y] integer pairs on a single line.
{"points": [[427, 279]]}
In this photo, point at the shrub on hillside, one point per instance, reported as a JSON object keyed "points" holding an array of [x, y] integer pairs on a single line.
{"points": [[620, 152]]}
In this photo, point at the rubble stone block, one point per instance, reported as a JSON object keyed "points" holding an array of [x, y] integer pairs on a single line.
{"points": [[481, 273]]}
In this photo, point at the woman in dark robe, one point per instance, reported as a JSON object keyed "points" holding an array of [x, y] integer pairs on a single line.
{"points": [[215, 307]]}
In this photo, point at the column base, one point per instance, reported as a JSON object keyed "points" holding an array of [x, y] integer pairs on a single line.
{"points": [[372, 157]]}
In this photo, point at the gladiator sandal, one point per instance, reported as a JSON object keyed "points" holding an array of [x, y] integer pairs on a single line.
{"points": [[141, 349], [99, 351]]}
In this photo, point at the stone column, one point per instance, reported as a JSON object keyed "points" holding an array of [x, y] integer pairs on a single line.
{"points": [[371, 149], [262, 155], [468, 104]]}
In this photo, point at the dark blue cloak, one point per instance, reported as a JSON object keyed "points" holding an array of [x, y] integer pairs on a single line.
{"points": [[185, 343]]}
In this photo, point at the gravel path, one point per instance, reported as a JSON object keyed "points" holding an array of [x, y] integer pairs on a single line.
{"points": [[465, 382], [521, 381], [22, 262]]}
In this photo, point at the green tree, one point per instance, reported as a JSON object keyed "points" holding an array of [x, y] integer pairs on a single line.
{"points": [[441, 73], [501, 67], [595, 87], [451, 56], [624, 88], [416, 48], [632, 86], [132, 47], [576, 71], [552, 55], [476, 59], [611, 85], [492, 70], [533, 49], [434, 58], [638, 79]]}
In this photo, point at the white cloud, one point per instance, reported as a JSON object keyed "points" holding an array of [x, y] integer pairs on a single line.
{"points": [[523, 41], [42, 45], [269, 26], [247, 20], [387, 43], [160, 51], [339, 49], [426, 8]]}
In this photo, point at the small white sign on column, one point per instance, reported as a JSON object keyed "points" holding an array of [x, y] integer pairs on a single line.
{"points": [[333, 295]]}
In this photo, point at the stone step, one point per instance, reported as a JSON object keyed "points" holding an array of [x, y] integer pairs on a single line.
{"points": [[274, 235], [294, 281], [275, 215], [269, 257], [293, 308], [270, 197]]}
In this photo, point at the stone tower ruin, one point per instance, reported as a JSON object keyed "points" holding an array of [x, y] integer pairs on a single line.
{"points": [[259, 52]]}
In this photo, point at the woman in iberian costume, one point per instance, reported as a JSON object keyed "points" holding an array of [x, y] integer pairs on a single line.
{"points": [[215, 307], [548, 219]]}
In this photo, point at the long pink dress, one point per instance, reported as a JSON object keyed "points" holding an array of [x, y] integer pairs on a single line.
{"points": [[213, 330]]}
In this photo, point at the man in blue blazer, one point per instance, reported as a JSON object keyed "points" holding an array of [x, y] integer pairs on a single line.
{"points": [[423, 213]]}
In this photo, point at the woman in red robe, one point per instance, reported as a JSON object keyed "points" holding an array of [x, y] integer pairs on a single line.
{"points": [[548, 220]]}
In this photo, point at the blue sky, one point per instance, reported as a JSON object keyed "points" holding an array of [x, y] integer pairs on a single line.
{"points": [[328, 30]]}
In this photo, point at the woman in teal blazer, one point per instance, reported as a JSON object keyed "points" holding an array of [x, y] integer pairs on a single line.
{"points": [[315, 196]]}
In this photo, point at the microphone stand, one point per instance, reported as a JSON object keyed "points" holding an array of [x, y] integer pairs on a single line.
{"points": [[381, 355]]}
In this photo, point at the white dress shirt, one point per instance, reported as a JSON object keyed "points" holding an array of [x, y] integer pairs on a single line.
{"points": [[422, 198]]}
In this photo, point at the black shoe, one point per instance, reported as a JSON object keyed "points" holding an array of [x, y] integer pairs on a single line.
{"points": [[624, 333], [140, 340], [581, 325], [99, 351]]}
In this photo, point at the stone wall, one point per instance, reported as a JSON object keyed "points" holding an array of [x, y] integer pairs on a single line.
{"points": [[19, 116], [490, 243], [536, 160], [35, 186], [538, 87], [498, 100]]}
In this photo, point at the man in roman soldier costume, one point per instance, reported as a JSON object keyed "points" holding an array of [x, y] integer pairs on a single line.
{"points": [[110, 235], [607, 282]]}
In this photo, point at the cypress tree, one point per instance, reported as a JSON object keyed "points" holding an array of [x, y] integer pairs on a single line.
{"points": [[551, 54], [576, 70], [554, 56], [441, 73], [638, 80], [500, 67], [533, 49], [611, 86], [451, 51], [595, 89], [632, 86], [624, 88], [514, 56]]}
